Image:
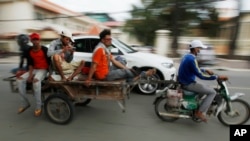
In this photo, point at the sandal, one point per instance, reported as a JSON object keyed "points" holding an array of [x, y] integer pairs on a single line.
{"points": [[38, 112], [22, 109], [200, 115]]}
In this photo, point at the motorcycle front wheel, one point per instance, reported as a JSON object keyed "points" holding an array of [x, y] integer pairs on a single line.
{"points": [[239, 114], [162, 109]]}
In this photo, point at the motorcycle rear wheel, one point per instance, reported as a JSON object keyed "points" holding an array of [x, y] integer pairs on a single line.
{"points": [[161, 107], [242, 110]]}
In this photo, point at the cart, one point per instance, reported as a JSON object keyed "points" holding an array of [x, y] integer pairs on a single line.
{"points": [[60, 97]]}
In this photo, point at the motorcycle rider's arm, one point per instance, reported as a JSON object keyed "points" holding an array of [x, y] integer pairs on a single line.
{"points": [[220, 77], [200, 72]]}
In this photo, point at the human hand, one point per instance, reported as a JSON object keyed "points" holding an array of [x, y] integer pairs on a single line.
{"points": [[222, 77], [19, 73], [71, 48], [68, 48], [62, 54], [87, 82], [30, 78], [209, 72]]}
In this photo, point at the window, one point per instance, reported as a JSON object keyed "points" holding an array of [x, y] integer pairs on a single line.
{"points": [[86, 45], [39, 16]]}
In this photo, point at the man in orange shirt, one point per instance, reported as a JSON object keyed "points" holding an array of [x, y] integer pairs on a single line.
{"points": [[38, 63], [102, 59]]}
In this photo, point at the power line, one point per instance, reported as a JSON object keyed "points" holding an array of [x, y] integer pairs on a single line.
{"points": [[58, 17], [14, 20], [184, 4]]}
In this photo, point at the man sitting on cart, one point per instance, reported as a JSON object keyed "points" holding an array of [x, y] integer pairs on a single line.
{"points": [[101, 60], [61, 52], [38, 67]]}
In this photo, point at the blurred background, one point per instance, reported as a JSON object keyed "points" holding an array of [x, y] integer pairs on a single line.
{"points": [[164, 27]]}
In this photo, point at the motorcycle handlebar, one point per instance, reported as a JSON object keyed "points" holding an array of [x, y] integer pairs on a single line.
{"points": [[222, 78]]}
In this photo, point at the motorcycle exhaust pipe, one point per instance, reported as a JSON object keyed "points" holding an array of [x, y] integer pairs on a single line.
{"points": [[174, 115]]}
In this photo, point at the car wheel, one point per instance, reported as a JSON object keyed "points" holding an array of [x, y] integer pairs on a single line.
{"points": [[148, 88]]}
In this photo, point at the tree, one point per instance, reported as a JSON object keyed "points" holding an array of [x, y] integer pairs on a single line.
{"points": [[212, 25], [235, 32], [143, 25], [178, 16]]}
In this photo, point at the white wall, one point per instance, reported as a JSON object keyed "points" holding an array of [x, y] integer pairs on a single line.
{"points": [[15, 10]]}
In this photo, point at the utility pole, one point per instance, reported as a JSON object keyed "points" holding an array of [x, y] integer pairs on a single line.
{"points": [[175, 29]]}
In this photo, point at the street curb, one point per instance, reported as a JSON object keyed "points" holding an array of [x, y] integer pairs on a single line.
{"points": [[237, 65], [220, 68]]}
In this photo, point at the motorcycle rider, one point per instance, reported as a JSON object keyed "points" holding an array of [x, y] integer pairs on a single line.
{"points": [[188, 70]]}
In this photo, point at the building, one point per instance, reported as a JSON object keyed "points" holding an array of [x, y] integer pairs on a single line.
{"points": [[42, 16], [116, 27]]}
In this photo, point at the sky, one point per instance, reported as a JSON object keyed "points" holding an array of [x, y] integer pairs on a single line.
{"points": [[118, 8]]}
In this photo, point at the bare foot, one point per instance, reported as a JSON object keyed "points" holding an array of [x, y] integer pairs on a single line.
{"points": [[150, 72], [64, 79], [50, 78], [69, 79]]}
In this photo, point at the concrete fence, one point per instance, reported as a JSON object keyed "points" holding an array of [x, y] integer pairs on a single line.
{"points": [[221, 46]]}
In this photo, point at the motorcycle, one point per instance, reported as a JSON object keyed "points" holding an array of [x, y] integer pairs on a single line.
{"points": [[173, 103]]}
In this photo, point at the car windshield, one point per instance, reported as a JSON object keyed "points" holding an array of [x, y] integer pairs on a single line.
{"points": [[123, 46]]}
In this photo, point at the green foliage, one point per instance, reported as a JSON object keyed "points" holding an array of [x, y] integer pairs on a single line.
{"points": [[178, 16]]}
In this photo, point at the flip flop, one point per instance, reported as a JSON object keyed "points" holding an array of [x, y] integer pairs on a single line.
{"points": [[22, 109]]}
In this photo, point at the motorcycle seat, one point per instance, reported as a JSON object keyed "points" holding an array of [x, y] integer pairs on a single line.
{"points": [[188, 94]]}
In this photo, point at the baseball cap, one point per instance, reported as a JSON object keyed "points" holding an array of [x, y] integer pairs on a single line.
{"points": [[34, 36], [197, 43], [68, 34]]}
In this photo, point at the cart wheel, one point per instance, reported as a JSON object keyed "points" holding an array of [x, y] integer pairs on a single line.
{"points": [[59, 109], [84, 102]]}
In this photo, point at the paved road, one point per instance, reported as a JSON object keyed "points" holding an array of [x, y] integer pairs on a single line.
{"points": [[223, 64], [103, 120]]}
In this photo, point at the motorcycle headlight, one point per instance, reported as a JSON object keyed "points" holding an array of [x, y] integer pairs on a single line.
{"points": [[167, 65]]}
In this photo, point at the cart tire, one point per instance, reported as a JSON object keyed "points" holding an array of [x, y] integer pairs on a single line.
{"points": [[59, 109], [84, 102]]}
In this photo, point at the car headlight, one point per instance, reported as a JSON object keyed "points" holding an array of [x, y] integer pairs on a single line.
{"points": [[167, 65]]}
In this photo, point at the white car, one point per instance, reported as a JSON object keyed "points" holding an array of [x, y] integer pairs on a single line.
{"points": [[84, 46]]}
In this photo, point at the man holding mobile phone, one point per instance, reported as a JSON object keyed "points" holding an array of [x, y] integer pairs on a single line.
{"points": [[61, 52]]}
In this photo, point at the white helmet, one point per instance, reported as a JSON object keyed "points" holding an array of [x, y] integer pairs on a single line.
{"points": [[68, 34], [197, 43]]}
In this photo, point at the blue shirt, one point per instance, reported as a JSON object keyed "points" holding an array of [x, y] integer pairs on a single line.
{"points": [[189, 69]]}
